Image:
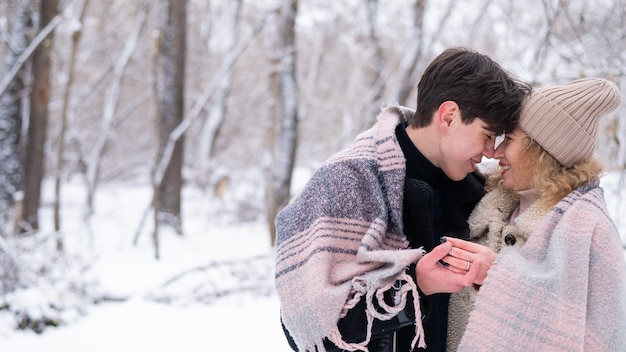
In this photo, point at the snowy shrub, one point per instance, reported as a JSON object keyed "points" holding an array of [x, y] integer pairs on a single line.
{"points": [[41, 286]]}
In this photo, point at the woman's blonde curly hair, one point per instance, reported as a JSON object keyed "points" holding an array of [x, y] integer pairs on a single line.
{"points": [[550, 179]]}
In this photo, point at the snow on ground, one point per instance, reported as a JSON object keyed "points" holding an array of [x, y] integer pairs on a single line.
{"points": [[158, 311], [237, 322], [138, 325]]}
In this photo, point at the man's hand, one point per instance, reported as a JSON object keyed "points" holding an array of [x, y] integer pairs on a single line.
{"points": [[465, 254], [434, 277]]}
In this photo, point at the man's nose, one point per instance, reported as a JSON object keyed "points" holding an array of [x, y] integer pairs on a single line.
{"points": [[489, 149]]}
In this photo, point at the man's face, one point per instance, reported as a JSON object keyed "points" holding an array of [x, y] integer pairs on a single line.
{"points": [[463, 146]]}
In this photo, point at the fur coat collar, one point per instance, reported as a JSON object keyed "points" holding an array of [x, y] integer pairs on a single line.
{"points": [[489, 222]]}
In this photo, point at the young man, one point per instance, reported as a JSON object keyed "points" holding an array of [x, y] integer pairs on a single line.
{"points": [[350, 248]]}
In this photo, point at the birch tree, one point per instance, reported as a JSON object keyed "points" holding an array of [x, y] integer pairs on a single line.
{"points": [[67, 93], [38, 124], [287, 128], [10, 139], [11, 168], [110, 109]]}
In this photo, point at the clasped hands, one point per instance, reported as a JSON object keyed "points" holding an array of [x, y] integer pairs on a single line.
{"points": [[453, 265]]}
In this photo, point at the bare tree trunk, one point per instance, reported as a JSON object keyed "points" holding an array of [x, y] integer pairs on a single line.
{"points": [[11, 167], [274, 63], [196, 110], [173, 48], [38, 125], [407, 76], [218, 109], [287, 135], [111, 103], [76, 35]]}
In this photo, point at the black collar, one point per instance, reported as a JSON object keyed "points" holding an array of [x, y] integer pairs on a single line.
{"points": [[417, 165]]}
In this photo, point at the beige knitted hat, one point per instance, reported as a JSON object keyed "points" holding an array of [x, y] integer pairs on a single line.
{"points": [[564, 119]]}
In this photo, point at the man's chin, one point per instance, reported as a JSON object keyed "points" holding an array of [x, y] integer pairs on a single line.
{"points": [[458, 175]]}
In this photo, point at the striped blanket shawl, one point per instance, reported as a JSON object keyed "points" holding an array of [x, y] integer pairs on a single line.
{"points": [[342, 239], [565, 290]]}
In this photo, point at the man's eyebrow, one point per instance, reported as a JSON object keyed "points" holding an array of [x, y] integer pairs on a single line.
{"points": [[491, 130]]}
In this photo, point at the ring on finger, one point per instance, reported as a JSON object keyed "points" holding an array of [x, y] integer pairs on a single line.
{"points": [[451, 252], [468, 265]]}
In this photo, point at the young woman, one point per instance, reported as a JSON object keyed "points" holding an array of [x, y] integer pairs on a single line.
{"points": [[559, 280]]}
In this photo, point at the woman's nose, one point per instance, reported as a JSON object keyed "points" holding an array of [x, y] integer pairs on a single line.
{"points": [[499, 152]]}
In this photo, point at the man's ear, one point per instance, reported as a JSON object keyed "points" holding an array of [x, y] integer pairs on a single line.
{"points": [[445, 114]]}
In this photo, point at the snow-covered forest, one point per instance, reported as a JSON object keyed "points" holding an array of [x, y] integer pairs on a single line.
{"points": [[146, 145]]}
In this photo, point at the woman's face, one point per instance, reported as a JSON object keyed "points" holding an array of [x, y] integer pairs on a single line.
{"points": [[516, 170]]}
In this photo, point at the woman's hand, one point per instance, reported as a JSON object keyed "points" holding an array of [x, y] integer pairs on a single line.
{"points": [[433, 276], [465, 254]]}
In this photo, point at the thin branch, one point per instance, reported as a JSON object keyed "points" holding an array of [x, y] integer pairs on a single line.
{"points": [[212, 265], [29, 51], [76, 35], [196, 110], [111, 104]]}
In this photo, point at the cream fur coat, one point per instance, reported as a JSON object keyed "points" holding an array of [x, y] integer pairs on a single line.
{"points": [[490, 226]]}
